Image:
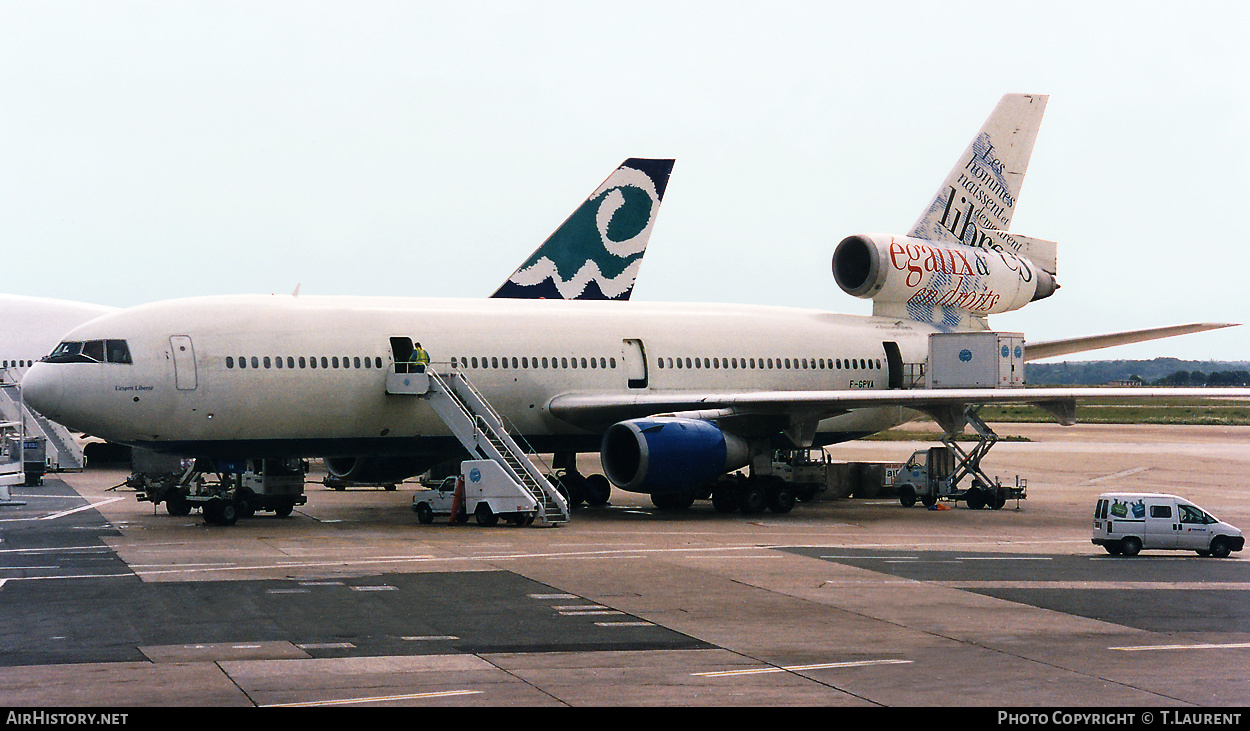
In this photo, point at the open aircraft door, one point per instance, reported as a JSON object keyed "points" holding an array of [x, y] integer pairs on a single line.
{"points": [[184, 362], [634, 356]]}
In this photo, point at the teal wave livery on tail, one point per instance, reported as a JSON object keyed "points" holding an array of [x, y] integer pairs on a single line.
{"points": [[597, 251]]}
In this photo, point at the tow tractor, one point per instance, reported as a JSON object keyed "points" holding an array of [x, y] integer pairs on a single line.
{"points": [[224, 493], [482, 489]]}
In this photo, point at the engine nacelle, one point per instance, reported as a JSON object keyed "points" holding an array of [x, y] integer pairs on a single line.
{"points": [[666, 453], [924, 274], [376, 469]]}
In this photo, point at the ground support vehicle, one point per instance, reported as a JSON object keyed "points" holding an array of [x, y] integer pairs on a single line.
{"points": [[1127, 522], [806, 471], [933, 474], [482, 489], [224, 493]]}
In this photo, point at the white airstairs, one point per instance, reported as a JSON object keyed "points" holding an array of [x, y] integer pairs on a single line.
{"points": [[63, 452], [482, 432]]}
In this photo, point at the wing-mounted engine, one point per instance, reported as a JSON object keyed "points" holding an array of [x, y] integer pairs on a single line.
{"points": [[666, 453], [946, 284]]}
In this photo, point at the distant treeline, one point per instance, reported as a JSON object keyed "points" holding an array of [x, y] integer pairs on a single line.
{"points": [[1157, 372]]}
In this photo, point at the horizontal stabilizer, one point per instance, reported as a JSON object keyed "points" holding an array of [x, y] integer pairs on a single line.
{"points": [[1053, 348]]}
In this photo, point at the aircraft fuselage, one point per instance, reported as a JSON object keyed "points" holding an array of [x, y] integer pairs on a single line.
{"points": [[253, 376]]}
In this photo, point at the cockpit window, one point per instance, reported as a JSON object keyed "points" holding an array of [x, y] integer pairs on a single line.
{"points": [[93, 350], [90, 351], [117, 351]]}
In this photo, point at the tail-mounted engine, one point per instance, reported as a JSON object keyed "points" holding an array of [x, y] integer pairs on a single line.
{"points": [[929, 281]]}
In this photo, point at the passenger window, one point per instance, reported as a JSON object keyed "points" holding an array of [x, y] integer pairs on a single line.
{"points": [[1161, 511]]}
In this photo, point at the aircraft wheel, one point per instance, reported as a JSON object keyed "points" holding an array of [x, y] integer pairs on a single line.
{"points": [[574, 488], [751, 497], [780, 496], [598, 490], [725, 497]]}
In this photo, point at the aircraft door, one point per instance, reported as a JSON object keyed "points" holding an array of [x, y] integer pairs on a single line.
{"points": [[894, 363], [634, 356], [184, 362]]}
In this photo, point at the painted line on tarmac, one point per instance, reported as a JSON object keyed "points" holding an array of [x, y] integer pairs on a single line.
{"points": [[800, 668], [374, 699], [1122, 473], [63, 513], [1147, 648]]}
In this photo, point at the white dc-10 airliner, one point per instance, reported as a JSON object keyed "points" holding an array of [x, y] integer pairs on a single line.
{"points": [[672, 395]]}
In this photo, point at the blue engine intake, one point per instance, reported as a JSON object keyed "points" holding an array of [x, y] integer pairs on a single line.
{"points": [[667, 453]]}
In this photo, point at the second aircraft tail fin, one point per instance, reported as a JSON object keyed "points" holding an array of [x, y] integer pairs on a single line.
{"points": [[975, 204], [597, 251]]}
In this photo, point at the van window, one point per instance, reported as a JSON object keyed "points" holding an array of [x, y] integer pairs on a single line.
{"points": [[1161, 511], [1100, 510], [1190, 514]]}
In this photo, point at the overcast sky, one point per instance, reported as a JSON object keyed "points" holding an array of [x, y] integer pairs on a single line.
{"points": [[152, 150]]}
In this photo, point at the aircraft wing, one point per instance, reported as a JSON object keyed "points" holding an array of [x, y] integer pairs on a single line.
{"points": [[595, 410], [1053, 348]]}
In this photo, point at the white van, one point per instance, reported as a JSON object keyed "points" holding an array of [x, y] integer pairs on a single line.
{"points": [[1127, 522]]}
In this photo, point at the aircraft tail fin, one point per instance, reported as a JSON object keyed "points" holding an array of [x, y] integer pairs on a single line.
{"points": [[597, 251], [975, 203]]}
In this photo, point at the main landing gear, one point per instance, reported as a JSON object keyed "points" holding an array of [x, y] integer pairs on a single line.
{"points": [[735, 493]]}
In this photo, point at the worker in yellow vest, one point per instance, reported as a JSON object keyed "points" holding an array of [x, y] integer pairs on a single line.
{"points": [[420, 359]]}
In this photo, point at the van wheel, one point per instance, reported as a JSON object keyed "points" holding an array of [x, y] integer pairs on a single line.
{"points": [[1130, 546], [1219, 547]]}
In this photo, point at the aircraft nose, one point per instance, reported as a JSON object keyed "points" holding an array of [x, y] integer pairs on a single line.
{"points": [[43, 389]]}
